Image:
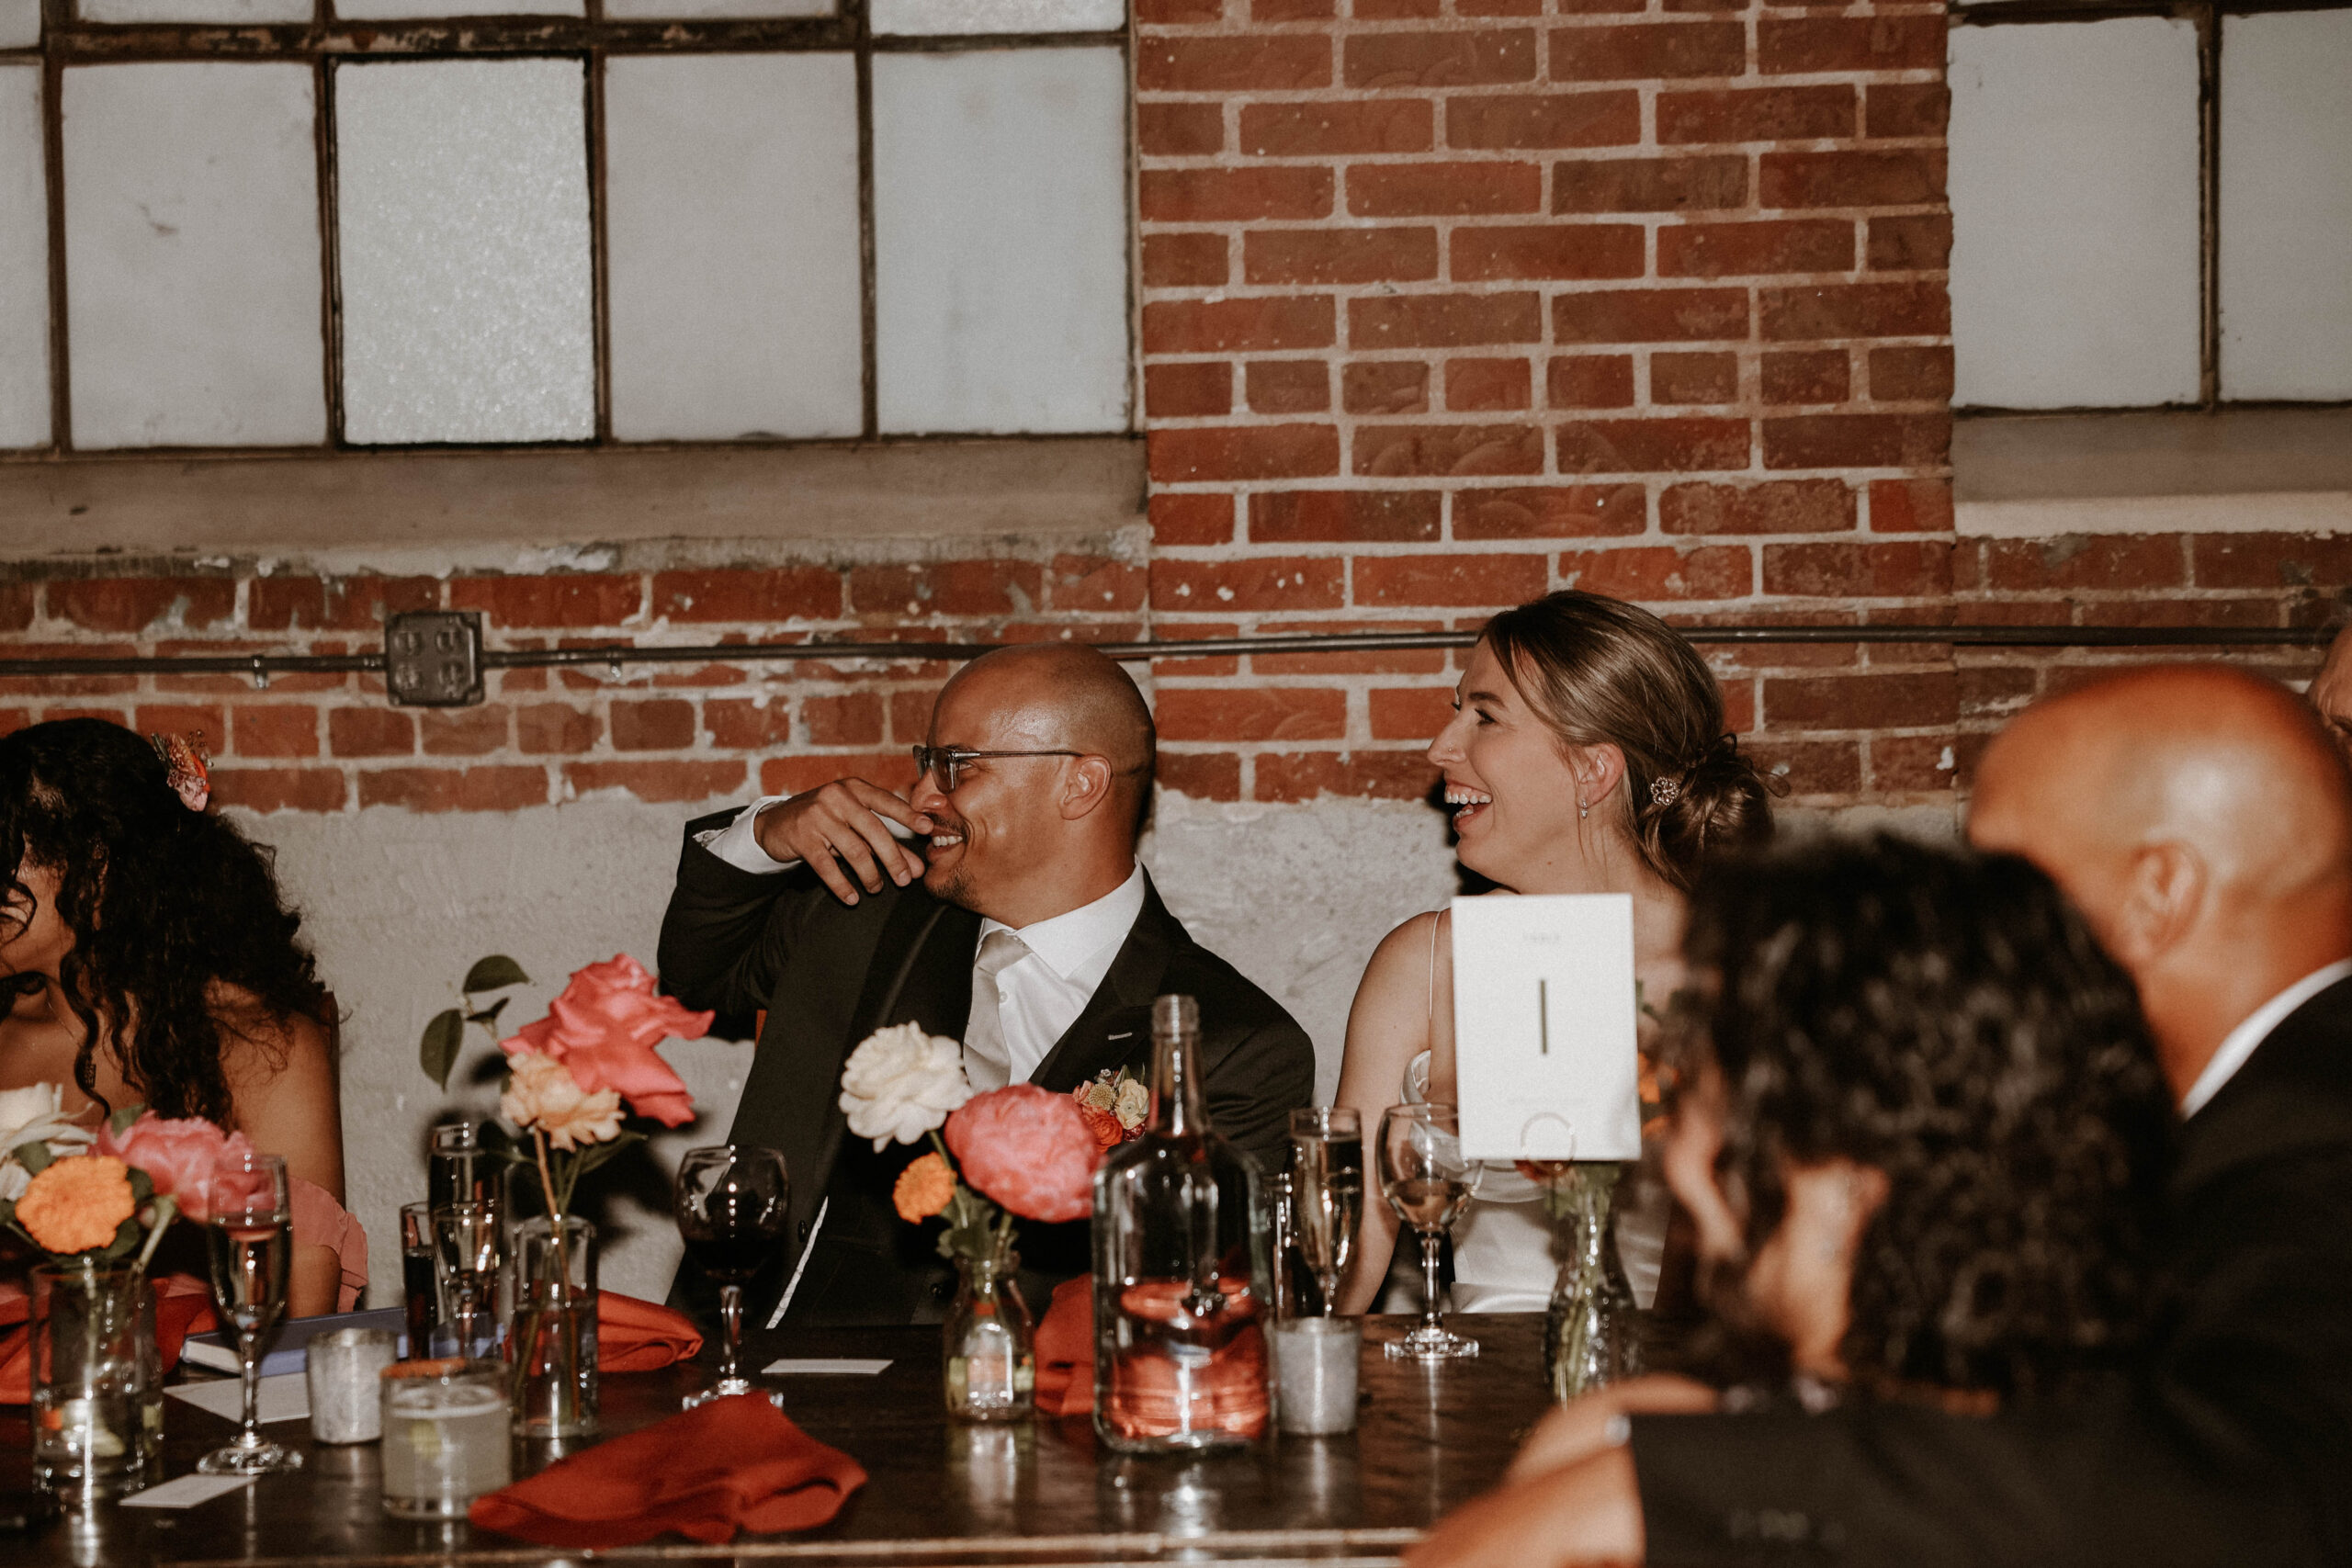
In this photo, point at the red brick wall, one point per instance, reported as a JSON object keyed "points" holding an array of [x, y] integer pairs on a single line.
{"points": [[1444, 303]]}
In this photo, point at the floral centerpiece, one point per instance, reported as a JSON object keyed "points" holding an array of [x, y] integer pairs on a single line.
{"points": [[96, 1206], [1019, 1152], [572, 1078]]}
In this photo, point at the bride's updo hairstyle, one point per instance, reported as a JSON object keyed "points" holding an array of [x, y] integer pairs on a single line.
{"points": [[1600, 672]]}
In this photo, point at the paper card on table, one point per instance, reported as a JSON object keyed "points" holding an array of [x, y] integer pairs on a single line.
{"points": [[824, 1366], [285, 1397], [1544, 1011], [188, 1491]]}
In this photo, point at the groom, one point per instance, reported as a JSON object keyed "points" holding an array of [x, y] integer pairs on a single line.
{"points": [[1023, 928]]}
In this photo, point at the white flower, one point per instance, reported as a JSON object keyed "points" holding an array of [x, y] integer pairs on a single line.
{"points": [[1135, 1104], [901, 1083], [33, 1114]]}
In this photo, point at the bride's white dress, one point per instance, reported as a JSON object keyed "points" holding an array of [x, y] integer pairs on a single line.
{"points": [[1505, 1254]]}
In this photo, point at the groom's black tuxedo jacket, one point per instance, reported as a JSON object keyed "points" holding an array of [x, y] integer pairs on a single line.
{"points": [[2234, 1447], [829, 974]]}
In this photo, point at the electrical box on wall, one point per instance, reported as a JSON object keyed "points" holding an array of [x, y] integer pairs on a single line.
{"points": [[433, 657]]}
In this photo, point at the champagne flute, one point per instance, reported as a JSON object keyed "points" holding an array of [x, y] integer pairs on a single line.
{"points": [[732, 1205], [1326, 1192], [250, 1249], [465, 1248], [1427, 1181]]}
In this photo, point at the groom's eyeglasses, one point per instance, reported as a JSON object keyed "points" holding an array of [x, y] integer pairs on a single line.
{"points": [[948, 761]]}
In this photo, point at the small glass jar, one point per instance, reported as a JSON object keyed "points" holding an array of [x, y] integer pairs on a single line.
{"points": [[551, 1339], [991, 1343], [445, 1438], [93, 1376], [344, 1370]]}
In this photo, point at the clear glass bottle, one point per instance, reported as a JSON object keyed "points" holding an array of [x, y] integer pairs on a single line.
{"points": [[1181, 1271], [991, 1343], [1592, 1330]]}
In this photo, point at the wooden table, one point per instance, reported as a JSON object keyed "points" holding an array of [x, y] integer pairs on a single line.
{"points": [[1043, 1492]]}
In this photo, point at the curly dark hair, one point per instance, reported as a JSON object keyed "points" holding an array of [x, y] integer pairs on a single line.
{"points": [[1946, 1017], [162, 903]]}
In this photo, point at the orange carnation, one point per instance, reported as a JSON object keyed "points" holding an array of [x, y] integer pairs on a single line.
{"points": [[77, 1203], [924, 1189]]}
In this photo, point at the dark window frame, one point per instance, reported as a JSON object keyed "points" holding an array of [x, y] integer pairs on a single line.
{"points": [[2206, 16], [327, 41]]}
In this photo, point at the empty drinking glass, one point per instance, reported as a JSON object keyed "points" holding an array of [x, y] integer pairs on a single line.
{"points": [[466, 1252]]}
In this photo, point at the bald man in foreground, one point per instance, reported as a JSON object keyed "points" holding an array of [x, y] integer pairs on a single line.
{"points": [[1016, 920], [2203, 823]]}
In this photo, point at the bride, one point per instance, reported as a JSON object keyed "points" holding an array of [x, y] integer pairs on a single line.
{"points": [[1588, 754]]}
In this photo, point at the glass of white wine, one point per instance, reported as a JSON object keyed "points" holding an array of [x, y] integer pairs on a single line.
{"points": [[1427, 1181], [247, 1237]]}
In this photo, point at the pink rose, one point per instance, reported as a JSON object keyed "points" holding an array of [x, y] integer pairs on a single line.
{"points": [[1027, 1149], [179, 1157], [605, 1028]]}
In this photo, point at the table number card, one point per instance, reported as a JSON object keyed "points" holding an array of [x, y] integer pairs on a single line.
{"points": [[1543, 1012]]}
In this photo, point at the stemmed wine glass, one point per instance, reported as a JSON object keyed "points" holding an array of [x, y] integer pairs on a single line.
{"points": [[467, 1243], [1427, 1181], [732, 1204], [247, 1238], [1326, 1192]]}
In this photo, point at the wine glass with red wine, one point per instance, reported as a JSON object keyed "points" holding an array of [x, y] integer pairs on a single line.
{"points": [[733, 1204]]}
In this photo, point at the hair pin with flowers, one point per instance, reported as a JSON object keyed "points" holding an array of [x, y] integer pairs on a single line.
{"points": [[185, 767]]}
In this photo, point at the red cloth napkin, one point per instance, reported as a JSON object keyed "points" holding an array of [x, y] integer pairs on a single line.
{"points": [[1065, 1346], [183, 1307], [633, 1336], [731, 1464]]}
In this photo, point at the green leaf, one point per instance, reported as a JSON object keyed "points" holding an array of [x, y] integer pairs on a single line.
{"points": [[142, 1186], [127, 1235], [494, 973], [437, 1052], [594, 1155], [121, 1120], [34, 1157], [488, 1015]]}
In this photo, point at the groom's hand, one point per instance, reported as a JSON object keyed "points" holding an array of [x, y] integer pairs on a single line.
{"points": [[841, 826]]}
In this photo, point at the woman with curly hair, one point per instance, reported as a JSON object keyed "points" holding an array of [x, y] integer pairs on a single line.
{"points": [[151, 960], [1922, 1130], [1588, 752]]}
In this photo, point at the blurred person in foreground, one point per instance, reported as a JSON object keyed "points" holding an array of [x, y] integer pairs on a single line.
{"points": [[2203, 823], [1023, 926], [151, 959]]}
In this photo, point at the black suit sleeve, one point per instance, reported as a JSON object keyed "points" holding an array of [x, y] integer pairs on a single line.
{"points": [[2087, 1486], [1253, 1087], [726, 932]]}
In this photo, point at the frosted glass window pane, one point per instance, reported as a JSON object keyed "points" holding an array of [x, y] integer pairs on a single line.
{"points": [[668, 10], [396, 10], [731, 183], [462, 218], [2287, 205], [1001, 241], [998, 15], [232, 12], [2074, 203], [192, 284], [23, 263], [19, 23]]}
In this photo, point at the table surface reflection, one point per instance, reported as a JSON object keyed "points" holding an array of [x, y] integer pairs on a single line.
{"points": [[1043, 1492]]}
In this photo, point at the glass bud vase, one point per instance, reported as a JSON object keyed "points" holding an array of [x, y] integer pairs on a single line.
{"points": [[1591, 1332], [95, 1373], [991, 1343], [1181, 1270], [551, 1340]]}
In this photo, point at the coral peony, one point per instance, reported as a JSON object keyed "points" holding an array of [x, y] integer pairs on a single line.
{"points": [[77, 1203], [900, 1083], [605, 1027], [541, 1093], [924, 1189], [1028, 1149], [178, 1155]]}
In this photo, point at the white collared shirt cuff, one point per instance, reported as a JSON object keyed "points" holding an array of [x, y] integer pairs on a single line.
{"points": [[737, 843]]}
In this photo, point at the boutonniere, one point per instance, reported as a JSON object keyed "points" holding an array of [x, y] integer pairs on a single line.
{"points": [[1116, 1105]]}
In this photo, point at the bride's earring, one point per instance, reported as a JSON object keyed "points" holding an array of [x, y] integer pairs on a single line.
{"points": [[1583, 811]]}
